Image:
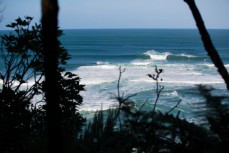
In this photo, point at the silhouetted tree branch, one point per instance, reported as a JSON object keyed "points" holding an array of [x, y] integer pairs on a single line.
{"points": [[212, 52], [50, 44], [156, 77]]}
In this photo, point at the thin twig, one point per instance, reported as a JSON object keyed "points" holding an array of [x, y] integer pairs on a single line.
{"points": [[174, 107], [118, 84], [157, 97]]}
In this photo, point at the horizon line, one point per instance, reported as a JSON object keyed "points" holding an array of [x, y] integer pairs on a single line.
{"points": [[141, 28], [131, 29]]}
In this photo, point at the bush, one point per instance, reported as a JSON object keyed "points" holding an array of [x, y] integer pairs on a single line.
{"points": [[23, 105]]}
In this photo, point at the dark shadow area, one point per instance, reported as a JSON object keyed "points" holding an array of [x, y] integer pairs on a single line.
{"points": [[23, 107]]}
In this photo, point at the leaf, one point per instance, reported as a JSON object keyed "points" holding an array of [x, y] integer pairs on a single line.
{"points": [[28, 18], [12, 25], [18, 76]]}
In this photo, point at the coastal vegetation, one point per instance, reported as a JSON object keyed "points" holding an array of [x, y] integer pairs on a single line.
{"points": [[23, 106], [38, 117]]}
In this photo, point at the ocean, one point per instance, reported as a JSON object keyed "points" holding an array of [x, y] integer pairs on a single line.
{"points": [[97, 54]]}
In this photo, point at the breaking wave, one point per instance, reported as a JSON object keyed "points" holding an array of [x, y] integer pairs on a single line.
{"points": [[154, 55]]}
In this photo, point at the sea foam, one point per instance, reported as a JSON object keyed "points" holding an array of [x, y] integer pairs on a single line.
{"points": [[101, 80], [154, 55]]}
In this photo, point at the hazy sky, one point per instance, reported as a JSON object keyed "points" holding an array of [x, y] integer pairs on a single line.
{"points": [[123, 13]]}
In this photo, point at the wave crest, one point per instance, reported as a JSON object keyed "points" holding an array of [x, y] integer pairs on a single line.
{"points": [[156, 55], [102, 63], [169, 56]]}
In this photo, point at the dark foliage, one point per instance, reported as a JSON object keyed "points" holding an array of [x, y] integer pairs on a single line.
{"points": [[218, 117], [23, 110], [15, 120]]}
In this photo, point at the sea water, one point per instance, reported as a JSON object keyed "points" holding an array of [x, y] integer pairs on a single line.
{"points": [[97, 54]]}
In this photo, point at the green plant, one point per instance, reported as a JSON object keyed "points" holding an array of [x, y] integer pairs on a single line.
{"points": [[22, 100]]}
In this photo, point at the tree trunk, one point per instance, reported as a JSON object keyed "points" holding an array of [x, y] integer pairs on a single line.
{"points": [[209, 47], [50, 46]]}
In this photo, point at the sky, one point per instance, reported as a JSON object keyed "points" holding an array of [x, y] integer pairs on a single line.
{"points": [[93, 14]]}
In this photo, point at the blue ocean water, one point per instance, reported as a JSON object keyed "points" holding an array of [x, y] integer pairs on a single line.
{"points": [[124, 45], [97, 54]]}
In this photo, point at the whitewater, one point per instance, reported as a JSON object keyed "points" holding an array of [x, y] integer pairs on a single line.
{"points": [[97, 54]]}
